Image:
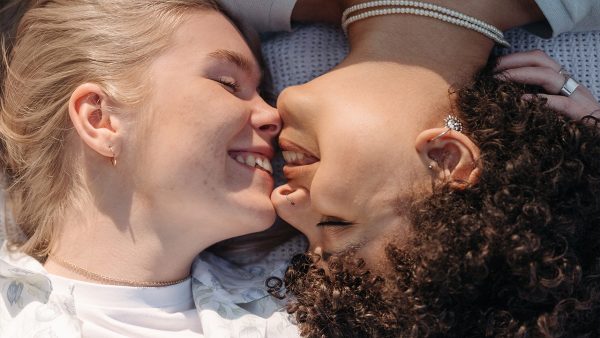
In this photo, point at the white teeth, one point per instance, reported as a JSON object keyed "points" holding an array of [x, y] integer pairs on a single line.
{"points": [[292, 157], [267, 166], [250, 161], [254, 161]]}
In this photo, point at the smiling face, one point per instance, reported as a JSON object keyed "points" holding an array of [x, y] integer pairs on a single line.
{"points": [[352, 166], [510, 250], [204, 155]]}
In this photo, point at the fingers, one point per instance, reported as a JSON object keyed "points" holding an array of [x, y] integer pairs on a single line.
{"points": [[544, 77], [534, 58], [561, 104], [537, 68]]}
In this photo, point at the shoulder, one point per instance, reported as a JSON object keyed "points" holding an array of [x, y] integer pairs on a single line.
{"points": [[27, 305]]}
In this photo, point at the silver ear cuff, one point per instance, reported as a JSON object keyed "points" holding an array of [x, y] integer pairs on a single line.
{"points": [[451, 122]]}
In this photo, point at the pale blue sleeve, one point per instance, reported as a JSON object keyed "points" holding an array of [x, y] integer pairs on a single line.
{"points": [[567, 16], [262, 15]]}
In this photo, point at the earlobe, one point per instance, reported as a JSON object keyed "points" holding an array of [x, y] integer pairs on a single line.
{"points": [[91, 118], [450, 156]]}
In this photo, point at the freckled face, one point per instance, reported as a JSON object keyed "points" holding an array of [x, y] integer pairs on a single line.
{"points": [[205, 156]]}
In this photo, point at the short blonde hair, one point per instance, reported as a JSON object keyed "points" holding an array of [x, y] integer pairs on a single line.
{"points": [[59, 45]]}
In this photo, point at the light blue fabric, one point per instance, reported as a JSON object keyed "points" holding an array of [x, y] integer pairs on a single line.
{"points": [[230, 301]]}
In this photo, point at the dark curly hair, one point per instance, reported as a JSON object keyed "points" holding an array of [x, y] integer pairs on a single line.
{"points": [[515, 255]]}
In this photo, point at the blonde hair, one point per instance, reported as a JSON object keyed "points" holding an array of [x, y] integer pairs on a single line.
{"points": [[59, 45]]}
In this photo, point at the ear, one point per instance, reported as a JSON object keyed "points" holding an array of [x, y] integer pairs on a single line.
{"points": [[90, 114], [451, 158]]}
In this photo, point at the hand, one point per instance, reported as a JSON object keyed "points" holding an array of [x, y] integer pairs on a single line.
{"points": [[537, 68]]}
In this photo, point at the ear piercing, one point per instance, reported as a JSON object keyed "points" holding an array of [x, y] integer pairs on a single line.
{"points": [[287, 197], [113, 160], [451, 122]]}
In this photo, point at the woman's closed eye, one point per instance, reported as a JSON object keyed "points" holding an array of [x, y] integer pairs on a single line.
{"points": [[333, 221], [229, 83]]}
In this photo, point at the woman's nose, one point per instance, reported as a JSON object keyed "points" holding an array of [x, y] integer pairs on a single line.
{"points": [[265, 118]]}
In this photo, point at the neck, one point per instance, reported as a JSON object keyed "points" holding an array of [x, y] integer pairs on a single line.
{"points": [[124, 240], [505, 14], [453, 52]]}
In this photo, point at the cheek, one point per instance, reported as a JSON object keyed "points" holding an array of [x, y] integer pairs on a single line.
{"points": [[201, 109], [329, 197], [207, 131], [187, 149], [375, 256], [334, 190]]}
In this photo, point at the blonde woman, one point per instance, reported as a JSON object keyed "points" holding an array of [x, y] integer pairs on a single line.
{"points": [[133, 138]]}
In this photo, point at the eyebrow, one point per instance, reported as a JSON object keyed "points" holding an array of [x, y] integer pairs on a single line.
{"points": [[233, 57]]}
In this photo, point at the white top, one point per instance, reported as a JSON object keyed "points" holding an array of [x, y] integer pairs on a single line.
{"points": [[567, 16], [262, 15], [115, 311], [220, 300]]}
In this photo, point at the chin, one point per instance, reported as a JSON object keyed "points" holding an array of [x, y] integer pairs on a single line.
{"points": [[258, 217]]}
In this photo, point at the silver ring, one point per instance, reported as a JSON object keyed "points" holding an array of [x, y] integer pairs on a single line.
{"points": [[569, 87]]}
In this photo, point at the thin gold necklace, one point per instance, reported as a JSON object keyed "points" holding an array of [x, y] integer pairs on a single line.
{"points": [[110, 280]]}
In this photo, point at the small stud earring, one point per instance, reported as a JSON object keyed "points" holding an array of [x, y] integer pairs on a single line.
{"points": [[113, 160], [451, 122]]}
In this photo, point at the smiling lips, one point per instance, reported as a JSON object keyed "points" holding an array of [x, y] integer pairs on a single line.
{"points": [[253, 160]]}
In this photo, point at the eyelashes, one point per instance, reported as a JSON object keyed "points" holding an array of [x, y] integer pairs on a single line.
{"points": [[229, 83], [333, 221]]}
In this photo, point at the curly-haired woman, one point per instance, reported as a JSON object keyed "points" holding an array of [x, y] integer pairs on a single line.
{"points": [[472, 204], [512, 251]]}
